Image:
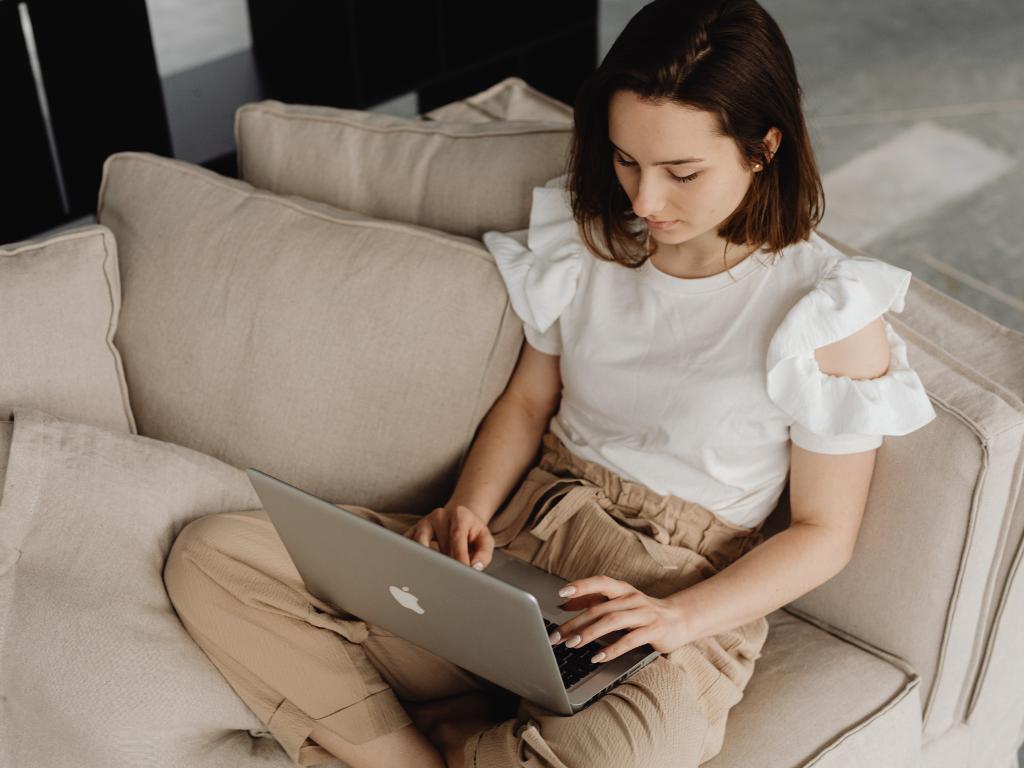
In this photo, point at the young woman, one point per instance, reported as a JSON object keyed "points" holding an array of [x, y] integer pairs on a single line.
{"points": [[691, 344]]}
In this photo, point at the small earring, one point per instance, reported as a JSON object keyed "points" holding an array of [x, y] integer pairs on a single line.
{"points": [[757, 167]]}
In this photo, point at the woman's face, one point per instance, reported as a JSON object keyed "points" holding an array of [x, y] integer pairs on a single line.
{"points": [[698, 193]]}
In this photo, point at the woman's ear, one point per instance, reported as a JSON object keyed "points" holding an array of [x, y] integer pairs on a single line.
{"points": [[772, 140]]}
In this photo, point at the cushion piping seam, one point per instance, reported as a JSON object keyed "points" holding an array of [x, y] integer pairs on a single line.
{"points": [[413, 230], [964, 369], [112, 329], [898, 697], [954, 601], [894, 660], [89, 230], [994, 628], [994, 327], [530, 127]]}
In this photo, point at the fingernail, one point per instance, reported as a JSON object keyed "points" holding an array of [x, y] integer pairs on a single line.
{"points": [[566, 591], [555, 636], [572, 641], [478, 565], [597, 657]]}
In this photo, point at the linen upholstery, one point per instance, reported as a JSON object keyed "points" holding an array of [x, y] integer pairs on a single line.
{"points": [[961, 631], [972, 369], [463, 178], [993, 709], [509, 99], [60, 301], [945, 570], [819, 697], [320, 346], [95, 668], [974, 372], [6, 429], [968, 620]]}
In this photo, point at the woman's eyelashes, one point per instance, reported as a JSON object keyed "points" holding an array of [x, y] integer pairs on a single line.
{"points": [[678, 179]]}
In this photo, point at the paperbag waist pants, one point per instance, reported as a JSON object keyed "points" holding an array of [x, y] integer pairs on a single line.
{"points": [[298, 662]]}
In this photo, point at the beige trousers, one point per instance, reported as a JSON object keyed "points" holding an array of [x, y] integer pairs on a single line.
{"points": [[297, 661]]}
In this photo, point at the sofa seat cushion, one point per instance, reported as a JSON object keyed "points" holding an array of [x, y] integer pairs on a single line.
{"points": [[820, 697]]}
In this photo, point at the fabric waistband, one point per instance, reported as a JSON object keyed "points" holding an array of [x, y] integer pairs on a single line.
{"points": [[668, 518]]}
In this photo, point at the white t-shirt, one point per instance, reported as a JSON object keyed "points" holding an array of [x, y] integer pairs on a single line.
{"points": [[695, 387]]}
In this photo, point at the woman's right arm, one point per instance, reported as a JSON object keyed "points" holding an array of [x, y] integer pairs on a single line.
{"points": [[504, 449], [507, 443]]}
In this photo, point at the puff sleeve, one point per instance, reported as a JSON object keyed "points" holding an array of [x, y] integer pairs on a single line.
{"points": [[541, 275], [838, 414]]}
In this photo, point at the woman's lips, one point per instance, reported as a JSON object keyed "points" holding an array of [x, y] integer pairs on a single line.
{"points": [[661, 224]]}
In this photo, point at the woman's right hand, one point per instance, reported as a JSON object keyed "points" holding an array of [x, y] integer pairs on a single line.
{"points": [[457, 531]]}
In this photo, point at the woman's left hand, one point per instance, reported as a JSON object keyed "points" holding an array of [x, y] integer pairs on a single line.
{"points": [[612, 605]]}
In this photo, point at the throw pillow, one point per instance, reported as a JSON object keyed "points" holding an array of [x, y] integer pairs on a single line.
{"points": [[511, 99], [60, 302], [95, 667]]}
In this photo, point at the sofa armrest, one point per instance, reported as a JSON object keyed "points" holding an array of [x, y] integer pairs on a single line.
{"points": [[944, 517]]}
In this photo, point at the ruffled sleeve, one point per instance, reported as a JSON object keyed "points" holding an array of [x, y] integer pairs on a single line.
{"points": [[541, 275], [838, 414]]}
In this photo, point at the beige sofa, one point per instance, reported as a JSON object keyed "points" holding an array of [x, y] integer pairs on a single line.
{"points": [[336, 322]]}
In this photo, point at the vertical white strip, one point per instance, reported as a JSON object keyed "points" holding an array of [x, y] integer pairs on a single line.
{"points": [[44, 105]]}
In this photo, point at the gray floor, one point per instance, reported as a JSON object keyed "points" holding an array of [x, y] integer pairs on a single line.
{"points": [[915, 107]]}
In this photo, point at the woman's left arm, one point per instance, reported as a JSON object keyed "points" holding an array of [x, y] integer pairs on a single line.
{"points": [[827, 496]]}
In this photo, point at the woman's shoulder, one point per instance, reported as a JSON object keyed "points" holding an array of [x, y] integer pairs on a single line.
{"points": [[541, 264], [806, 261], [843, 295]]}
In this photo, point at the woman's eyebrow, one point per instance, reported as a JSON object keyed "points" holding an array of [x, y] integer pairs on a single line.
{"points": [[684, 161]]}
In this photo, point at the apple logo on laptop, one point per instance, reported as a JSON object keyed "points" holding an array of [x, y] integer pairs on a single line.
{"points": [[406, 599]]}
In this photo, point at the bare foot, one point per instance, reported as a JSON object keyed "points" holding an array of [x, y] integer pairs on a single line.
{"points": [[461, 706], [448, 722], [449, 737]]}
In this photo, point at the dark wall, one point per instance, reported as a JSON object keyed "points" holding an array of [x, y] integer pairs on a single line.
{"points": [[103, 91], [357, 53], [105, 95]]}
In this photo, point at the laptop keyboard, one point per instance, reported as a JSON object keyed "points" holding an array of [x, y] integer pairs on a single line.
{"points": [[573, 663]]}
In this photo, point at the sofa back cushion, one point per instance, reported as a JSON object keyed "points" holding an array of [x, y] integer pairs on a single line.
{"points": [[349, 356], [60, 302], [459, 177]]}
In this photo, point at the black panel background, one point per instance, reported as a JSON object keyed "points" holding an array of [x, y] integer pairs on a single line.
{"points": [[29, 195], [103, 87]]}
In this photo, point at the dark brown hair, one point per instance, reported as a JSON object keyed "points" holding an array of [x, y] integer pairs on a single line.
{"points": [[726, 57]]}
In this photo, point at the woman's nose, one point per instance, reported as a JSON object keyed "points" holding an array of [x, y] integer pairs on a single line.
{"points": [[648, 202], [648, 210]]}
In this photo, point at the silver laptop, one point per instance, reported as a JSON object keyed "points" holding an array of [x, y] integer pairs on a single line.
{"points": [[494, 623]]}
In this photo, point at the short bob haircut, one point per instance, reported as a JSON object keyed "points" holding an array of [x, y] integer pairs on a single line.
{"points": [[726, 57]]}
